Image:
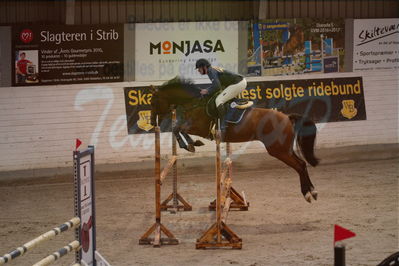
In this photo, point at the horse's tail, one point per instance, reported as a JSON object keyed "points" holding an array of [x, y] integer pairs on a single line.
{"points": [[305, 130]]}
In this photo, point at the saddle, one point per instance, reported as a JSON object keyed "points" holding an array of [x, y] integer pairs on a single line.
{"points": [[234, 112], [234, 109]]}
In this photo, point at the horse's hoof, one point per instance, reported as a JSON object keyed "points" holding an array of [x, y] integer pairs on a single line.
{"points": [[190, 148], [314, 194], [198, 143], [308, 197]]}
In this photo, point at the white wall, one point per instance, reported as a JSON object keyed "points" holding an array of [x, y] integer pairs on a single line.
{"points": [[38, 125]]}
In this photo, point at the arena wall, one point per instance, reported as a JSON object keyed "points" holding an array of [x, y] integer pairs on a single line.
{"points": [[39, 124]]}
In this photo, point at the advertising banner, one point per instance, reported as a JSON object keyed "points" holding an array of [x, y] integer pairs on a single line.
{"points": [[59, 54], [138, 110], [322, 100], [165, 50], [296, 46], [375, 44]]}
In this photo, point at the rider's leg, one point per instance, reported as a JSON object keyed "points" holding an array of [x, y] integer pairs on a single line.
{"points": [[227, 94], [230, 92]]}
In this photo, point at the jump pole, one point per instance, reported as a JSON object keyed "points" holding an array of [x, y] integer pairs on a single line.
{"points": [[22, 250]]}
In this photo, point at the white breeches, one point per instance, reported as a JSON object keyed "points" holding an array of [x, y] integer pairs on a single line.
{"points": [[230, 92]]}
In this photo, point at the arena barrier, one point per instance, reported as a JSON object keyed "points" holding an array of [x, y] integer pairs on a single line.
{"points": [[219, 235], [84, 221]]}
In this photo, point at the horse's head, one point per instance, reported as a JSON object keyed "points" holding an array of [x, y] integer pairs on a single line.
{"points": [[176, 91]]}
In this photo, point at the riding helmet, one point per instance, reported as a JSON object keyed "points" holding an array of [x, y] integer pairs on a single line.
{"points": [[202, 63]]}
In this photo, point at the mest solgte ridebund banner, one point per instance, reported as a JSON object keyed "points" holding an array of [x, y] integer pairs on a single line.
{"points": [[321, 100]]}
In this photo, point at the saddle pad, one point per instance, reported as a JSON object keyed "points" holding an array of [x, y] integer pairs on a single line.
{"points": [[234, 115]]}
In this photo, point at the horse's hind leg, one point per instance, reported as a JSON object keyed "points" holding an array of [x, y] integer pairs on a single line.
{"points": [[313, 192], [290, 159]]}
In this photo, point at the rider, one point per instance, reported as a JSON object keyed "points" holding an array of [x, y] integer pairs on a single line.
{"points": [[232, 83]]}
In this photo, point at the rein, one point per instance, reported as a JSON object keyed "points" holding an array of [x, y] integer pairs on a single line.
{"points": [[188, 106]]}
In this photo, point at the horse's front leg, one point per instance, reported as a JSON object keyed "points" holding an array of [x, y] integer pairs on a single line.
{"points": [[184, 142], [190, 140], [186, 127]]}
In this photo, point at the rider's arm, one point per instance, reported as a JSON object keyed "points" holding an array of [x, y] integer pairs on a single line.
{"points": [[214, 77]]}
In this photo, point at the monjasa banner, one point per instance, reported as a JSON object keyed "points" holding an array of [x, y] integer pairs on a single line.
{"points": [[165, 50], [322, 100], [59, 54]]}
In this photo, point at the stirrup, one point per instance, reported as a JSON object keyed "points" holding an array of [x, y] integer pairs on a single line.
{"points": [[241, 106], [213, 130]]}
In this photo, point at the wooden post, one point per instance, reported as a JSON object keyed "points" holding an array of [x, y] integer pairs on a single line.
{"points": [[218, 187], [157, 228], [219, 235], [238, 202], [174, 153], [175, 197]]}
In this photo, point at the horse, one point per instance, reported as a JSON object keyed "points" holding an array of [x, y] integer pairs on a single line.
{"points": [[295, 43], [276, 130]]}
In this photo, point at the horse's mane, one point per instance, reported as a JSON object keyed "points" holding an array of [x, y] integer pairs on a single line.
{"points": [[177, 82], [180, 85]]}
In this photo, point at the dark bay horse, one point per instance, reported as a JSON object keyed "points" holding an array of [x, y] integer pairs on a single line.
{"points": [[274, 129]]}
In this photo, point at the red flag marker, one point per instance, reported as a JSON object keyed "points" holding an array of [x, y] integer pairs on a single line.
{"points": [[341, 233], [78, 143]]}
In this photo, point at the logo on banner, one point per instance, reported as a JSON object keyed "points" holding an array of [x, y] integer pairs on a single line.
{"points": [[86, 234], [144, 121], [348, 109], [377, 32], [186, 47], [331, 64], [26, 36]]}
